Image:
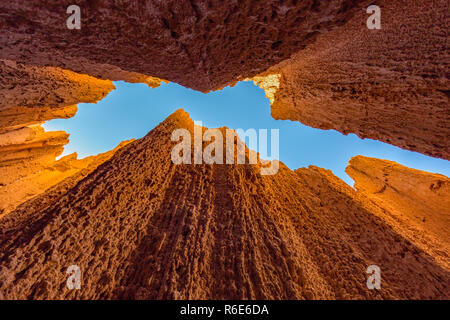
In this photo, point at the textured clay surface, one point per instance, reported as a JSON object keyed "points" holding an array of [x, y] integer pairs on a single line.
{"points": [[24, 179], [416, 203], [390, 85], [27, 150], [30, 95], [142, 227], [201, 44]]}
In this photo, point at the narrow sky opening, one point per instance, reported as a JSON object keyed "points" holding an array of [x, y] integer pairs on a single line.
{"points": [[132, 110]]}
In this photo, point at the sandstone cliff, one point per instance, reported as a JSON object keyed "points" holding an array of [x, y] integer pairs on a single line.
{"points": [[141, 227], [389, 84], [31, 95], [26, 177], [416, 203], [27, 86], [200, 44], [26, 150]]}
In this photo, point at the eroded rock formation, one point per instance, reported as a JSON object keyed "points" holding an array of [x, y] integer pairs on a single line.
{"points": [[140, 226], [25, 177], [202, 44], [29, 96], [30, 150], [389, 84], [416, 203], [44, 91]]}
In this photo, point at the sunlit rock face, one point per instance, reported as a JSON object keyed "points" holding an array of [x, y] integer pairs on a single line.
{"points": [[293, 235], [31, 95], [416, 203], [141, 227], [390, 85], [25, 152], [201, 44], [38, 170]]}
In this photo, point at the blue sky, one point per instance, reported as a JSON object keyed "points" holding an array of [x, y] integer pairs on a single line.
{"points": [[132, 110]]}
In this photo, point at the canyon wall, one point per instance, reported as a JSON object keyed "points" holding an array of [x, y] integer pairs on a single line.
{"points": [[201, 44], [31, 177], [30, 95], [390, 85], [415, 203], [141, 227], [145, 228]]}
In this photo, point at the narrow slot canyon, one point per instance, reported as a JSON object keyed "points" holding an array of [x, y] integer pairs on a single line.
{"points": [[88, 119]]}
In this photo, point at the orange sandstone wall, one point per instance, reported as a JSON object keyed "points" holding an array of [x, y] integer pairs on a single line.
{"points": [[31, 95], [140, 227], [201, 44], [25, 177], [390, 85], [416, 203]]}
